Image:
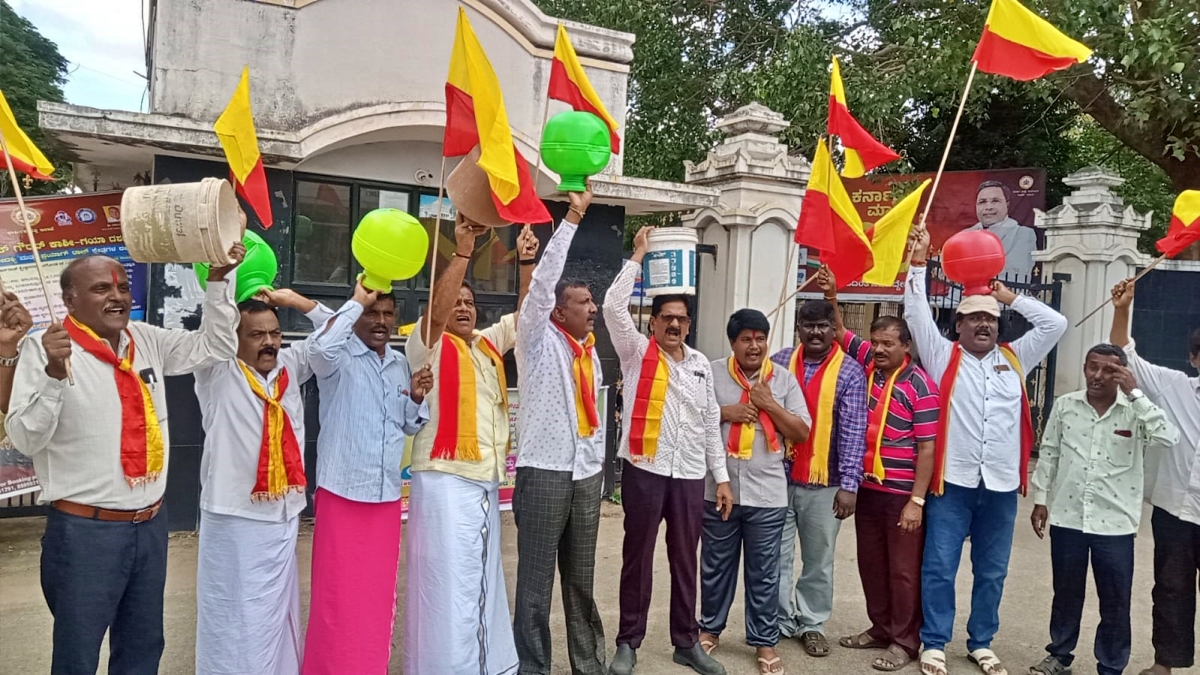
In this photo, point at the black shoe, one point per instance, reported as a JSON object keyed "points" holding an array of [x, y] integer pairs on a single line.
{"points": [[695, 658], [623, 661]]}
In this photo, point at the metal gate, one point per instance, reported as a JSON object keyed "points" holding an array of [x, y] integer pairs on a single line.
{"points": [[944, 296]]}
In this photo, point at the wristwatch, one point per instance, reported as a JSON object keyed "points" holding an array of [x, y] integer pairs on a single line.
{"points": [[1133, 395]]}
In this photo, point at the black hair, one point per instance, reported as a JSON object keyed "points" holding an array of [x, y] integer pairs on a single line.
{"points": [[816, 310], [561, 288], [747, 319], [1106, 349], [381, 295], [1008, 195], [253, 306], [467, 285], [659, 300], [888, 322], [66, 280], [1194, 342]]}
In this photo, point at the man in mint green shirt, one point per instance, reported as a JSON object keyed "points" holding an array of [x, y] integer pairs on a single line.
{"points": [[1088, 486]]}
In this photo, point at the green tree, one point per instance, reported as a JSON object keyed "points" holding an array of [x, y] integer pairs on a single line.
{"points": [[31, 69]]}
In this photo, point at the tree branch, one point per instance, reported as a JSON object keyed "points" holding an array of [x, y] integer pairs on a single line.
{"points": [[1092, 96]]}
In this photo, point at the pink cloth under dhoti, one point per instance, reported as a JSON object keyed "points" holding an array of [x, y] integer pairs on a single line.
{"points": [[355, 558]]}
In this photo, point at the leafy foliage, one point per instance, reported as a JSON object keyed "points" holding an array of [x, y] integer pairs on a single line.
{"points": [[31, 69]]}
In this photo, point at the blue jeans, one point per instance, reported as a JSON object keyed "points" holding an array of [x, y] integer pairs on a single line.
{"points": [[987, 517], [1112, 567]]}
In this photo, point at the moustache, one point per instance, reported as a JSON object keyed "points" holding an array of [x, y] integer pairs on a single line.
{"points": [[268, 351]]}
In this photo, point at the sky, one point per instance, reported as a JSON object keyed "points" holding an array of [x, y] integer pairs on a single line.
{"points": [[103, 41]]}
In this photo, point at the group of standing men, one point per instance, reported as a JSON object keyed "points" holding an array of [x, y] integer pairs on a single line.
{"points": [[740, 456]]}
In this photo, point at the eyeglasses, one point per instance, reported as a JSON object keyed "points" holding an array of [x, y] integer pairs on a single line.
{"points": [[814, 327], [668, 319]]}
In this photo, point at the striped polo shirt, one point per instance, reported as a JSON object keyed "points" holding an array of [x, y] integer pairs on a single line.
{"points": [[912, 418]]}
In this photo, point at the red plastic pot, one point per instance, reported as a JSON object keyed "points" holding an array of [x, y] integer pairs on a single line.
{"points": [[973, 258]]}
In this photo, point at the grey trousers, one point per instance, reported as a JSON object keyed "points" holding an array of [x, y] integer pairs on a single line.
{"points": [[806, 606], [558, 519]]}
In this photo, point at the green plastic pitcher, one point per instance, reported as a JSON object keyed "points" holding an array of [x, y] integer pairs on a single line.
{"points": [[256, 272], [576, 145], [390, 245]]}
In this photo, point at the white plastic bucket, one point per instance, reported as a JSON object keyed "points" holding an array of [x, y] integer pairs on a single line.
{"points": [[181, 222], [669, 267]]}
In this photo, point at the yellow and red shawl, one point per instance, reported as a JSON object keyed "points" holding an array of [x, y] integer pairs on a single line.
{"points": [[650, 397], [457, 431], [141, 437], [741, 436], [810, 461], [280, 462], [946, 386], [583, 368], [877, 422]]}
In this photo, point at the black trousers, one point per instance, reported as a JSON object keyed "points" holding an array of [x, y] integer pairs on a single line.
{"points": [[101, 576], [1176, 558], [758, 531], [558, 519], [1112, 569]]}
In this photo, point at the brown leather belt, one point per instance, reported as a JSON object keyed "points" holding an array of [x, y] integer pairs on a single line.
{"points": [[97, 513]]}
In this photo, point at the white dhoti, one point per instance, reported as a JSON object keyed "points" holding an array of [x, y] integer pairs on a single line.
{"points": [[456, 619], [247, 597]]}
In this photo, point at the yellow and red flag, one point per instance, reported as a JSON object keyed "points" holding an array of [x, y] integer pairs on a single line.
{"points": [[889, 239], [1019, 44], [235, 130], [475, 115], [830, 224], [25, 155], [863, 152], [1185, 224], [569, 84]]}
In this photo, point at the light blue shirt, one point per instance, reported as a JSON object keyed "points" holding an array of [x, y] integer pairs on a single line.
{"points": [[365, 412]]}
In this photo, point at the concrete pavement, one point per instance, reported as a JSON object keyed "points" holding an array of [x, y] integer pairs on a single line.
{"points": [[25, 623]]}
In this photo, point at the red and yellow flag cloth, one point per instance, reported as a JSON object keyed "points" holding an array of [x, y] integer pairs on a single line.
{"points": [[141, 437], [235, 130], [1019, 44], [650, 397], [863, 152], [889, 239], [25, 155], [810, 459], [946, 386], [458, 403], [583, 369], [830, 224], [741, 436], [877, 422], [1185, 224], [569, 84], [280, 461], [475, 115]]}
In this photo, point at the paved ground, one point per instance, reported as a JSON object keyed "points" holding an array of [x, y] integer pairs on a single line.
{"points": [[25, 623]]}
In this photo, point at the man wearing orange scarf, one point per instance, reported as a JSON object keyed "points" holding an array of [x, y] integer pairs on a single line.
{"points": [[981, 454], [670, 441], [456, 585], [252, 492], [101, 450]]}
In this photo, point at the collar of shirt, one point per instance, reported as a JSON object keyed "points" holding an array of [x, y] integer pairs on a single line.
{"points": [[357, 348]]}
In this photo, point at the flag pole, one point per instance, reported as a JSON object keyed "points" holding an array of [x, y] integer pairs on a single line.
{"points": [[433, 247], [1134, 280], [37, 258], [937, 179]]}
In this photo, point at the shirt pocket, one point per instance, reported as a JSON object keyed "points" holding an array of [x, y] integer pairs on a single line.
{"points": [[1122, 449]]}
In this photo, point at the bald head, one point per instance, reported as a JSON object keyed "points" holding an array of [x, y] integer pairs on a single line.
{"points": [[88, 262], [96, 292]]}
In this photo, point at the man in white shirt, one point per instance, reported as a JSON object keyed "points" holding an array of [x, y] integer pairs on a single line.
{"points": [[980, 464], [1175, 497], [252, 492], [560, 460], [101, 448], [670, 439], [991, 207]]}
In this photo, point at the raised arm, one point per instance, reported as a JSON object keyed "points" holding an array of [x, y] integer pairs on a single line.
{"points": [[296, 357], [1155, 380], [627, 341], [828, 285], [1048, 326], [184, 351], [527, 248], [934, 349], [539, 299], [327, 350], [444, 295]]}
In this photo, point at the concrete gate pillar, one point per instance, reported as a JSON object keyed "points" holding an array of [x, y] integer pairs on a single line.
{"points": [[1092, 238], [751, 228]]}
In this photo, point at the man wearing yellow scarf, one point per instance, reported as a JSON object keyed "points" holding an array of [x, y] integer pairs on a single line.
{"points": [[101, 449], [456, 584], [762, 409], [252, 492]]}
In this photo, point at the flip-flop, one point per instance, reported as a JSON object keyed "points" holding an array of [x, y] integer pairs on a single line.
{"points": [[933, 662], [764, 666], [988, 662], [709, 646], [814, 644], [858, 642], [894, 660]]}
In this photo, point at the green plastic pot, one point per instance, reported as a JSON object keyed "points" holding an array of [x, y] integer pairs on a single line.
{"points": [[390, 245], [257, 271], [576, 145]]}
